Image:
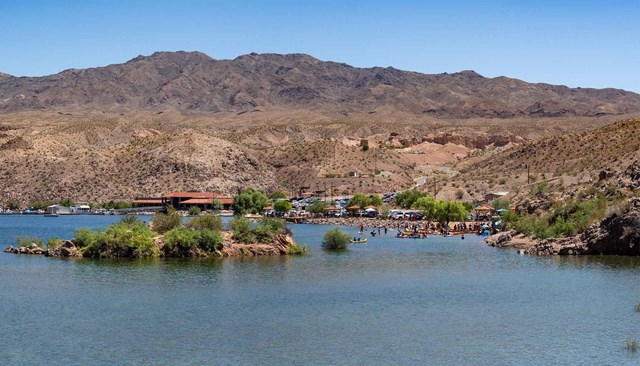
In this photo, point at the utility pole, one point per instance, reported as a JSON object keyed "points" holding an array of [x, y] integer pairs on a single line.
{"points": [[435, 187], [331, 191]]}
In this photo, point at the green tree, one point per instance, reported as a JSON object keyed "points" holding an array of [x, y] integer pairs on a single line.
{"points": [[282, 206], [335, 239], [375, 200], [406, 199], [277, 195], [448, 211], [429, 207], [362, 200], [249, 201], [317, 207]]}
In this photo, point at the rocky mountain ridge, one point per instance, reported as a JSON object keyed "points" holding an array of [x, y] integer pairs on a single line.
{"points": [[196, 83]]}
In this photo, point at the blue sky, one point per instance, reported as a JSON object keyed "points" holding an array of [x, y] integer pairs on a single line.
{"points": [[576, 43]]}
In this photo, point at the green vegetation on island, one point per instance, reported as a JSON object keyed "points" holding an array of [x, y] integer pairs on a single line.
{"points": [[335, 239], [166, 236]]}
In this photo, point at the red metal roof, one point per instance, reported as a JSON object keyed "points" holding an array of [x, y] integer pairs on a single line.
{"points": [[225, 200], [332, 208], [193, 195], [149, 200]]}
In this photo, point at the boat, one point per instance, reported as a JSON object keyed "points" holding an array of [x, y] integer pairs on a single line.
{"points": [[51, 215], [362, 241], [413, 235]]}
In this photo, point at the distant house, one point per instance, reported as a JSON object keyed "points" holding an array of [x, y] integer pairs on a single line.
{"points": [[204, 200], [58, 210]]}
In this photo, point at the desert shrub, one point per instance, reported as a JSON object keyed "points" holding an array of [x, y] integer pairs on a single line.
{"points": [[216, 205], [163, 223], [54, 243], [205, 222], [335, 239], [562, 228], [524, 225], [129, 219], [25, 241], [268, 228], [83, 237], [541, 188], [119, 240], [509, 219], [210, 240], [194, 211], [181, 238], [298, 249], [241, 230], [541, 229]]}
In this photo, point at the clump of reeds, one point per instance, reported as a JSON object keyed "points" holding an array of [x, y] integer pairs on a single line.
{"points": [[632, 344]]}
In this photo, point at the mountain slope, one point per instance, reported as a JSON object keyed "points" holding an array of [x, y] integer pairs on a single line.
{"points": [[569, 161], [194, 82]]}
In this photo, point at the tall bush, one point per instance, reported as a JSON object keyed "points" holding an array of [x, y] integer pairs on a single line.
{"points": [[335, 239]]}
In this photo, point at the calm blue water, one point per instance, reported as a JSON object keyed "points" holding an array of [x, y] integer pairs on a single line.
{"points": [[441, 301]]}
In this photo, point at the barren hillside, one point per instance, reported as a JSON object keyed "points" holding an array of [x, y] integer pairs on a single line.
{"points": [[193, 82], [178, 121]]}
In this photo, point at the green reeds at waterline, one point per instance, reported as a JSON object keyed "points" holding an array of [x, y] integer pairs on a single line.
{"points": [[632, 344]]}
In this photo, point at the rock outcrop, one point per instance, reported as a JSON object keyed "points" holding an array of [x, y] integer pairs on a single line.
{"points": [[32, 248], [618, 234], [67, 249]]}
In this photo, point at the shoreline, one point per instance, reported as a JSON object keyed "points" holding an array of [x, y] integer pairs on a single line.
{"points": [[281, 246]]}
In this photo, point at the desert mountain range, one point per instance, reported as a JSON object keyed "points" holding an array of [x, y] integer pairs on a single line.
{"points": [[194, 82], [184, 121]]}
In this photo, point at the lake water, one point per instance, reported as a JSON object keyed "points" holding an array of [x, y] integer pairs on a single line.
{"points": [[440, 301]]}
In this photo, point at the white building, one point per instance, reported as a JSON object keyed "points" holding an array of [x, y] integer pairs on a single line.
{"points": [[81, 209], [58, 210]]}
